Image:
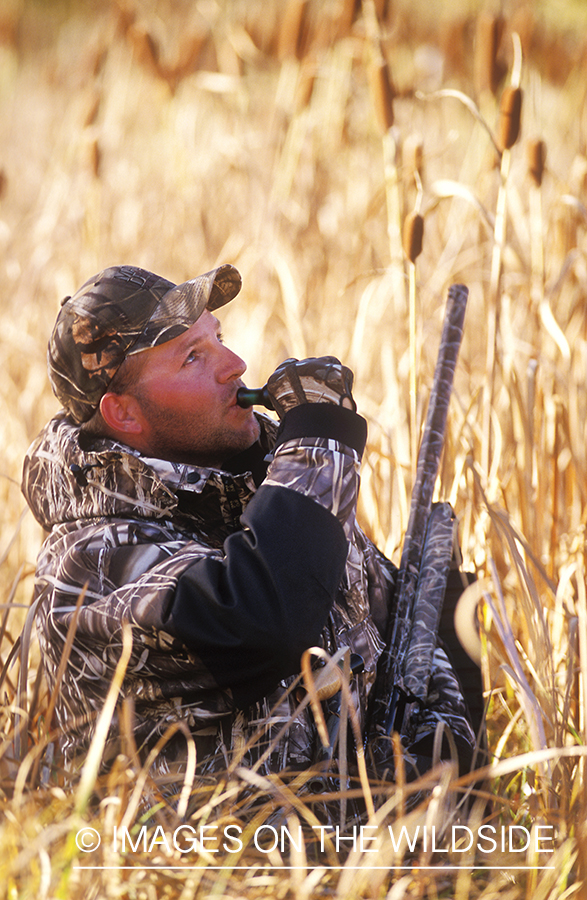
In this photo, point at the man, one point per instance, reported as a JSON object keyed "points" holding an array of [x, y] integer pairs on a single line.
{"points": [[228, 543]]}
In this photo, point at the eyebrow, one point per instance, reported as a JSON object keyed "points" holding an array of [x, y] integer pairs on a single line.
{"points": [[186, 340]]}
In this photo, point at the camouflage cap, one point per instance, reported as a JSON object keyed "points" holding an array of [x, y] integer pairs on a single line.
{"points": [[119, 312]]}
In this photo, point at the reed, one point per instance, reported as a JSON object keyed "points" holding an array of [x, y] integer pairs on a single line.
{"points": [[413, 236]]}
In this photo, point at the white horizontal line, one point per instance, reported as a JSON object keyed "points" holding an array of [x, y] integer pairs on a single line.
{"points": [[319, 866]]}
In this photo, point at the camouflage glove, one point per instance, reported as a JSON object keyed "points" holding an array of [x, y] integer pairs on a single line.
{"points": [[316, 380]]}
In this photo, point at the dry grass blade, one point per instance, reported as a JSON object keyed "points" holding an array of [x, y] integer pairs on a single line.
{"points": [[515, 670], [469, 104], [8, 607], [69, 639], [93, 761], [348, 707], [444, 188], [21, 711]]}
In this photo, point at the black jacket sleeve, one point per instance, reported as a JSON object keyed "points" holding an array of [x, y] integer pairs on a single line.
{"points": [[250, 616]]}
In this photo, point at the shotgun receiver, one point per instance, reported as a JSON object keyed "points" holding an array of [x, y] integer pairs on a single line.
{"points": [[405, 665]]}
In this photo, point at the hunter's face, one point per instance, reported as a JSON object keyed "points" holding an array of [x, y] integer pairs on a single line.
{"points": [[187, 398]]}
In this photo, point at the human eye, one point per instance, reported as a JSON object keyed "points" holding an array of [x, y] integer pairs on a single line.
{"points": [[191, 357]]}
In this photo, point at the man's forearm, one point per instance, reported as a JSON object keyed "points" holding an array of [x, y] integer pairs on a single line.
{"points": [[318, 453], [250, 616]]}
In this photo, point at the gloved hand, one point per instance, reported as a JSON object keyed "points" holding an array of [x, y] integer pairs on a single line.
{"points": [[316, 380]]}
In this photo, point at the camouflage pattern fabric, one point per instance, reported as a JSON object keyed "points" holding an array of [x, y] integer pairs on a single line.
{"points": [[126, 528]]}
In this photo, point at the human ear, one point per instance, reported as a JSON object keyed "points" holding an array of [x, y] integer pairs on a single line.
{"points": [[121, 413]]}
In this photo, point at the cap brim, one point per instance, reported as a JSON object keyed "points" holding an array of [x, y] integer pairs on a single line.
{"points": [[183, 305]]}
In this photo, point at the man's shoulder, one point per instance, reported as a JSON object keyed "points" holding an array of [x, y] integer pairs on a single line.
{"points": [[69, 477]]}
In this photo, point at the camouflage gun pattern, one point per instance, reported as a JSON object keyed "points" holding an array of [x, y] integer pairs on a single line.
{"points": [[405, 666]]}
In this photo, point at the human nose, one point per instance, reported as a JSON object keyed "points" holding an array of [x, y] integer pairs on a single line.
{"points": [[232, 365]]}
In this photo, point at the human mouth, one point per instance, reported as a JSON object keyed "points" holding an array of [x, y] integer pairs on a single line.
{"points": [[234, 402]]}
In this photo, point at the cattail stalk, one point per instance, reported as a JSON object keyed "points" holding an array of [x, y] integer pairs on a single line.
{"points": [[528, 481], [413, 158], [536, 156], [391, 156], [145, 47], [413, 235], [509, 129], [382, 95]]}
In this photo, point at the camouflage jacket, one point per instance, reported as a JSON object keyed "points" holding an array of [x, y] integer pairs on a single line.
{"points": [[226, 577]]}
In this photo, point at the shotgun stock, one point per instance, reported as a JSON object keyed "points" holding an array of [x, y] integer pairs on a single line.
{"points": [[405, 665]]}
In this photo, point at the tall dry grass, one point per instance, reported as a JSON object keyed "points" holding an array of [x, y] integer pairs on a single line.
{"points": [[295, 140]]}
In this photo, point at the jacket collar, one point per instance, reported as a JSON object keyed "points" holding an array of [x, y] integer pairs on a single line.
{"points": [[68, 477]]}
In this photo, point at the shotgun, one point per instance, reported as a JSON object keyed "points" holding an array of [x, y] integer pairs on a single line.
{"points": [[404, 668]]}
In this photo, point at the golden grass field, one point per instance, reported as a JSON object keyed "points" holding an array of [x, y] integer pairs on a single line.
{"points": [[294, 140]]}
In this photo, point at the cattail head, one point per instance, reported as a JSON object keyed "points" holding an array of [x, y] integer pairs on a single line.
{"points": [[488, 70], [510, 117], [536, 156], [382, 93], [413, 235], [292, 32]]}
